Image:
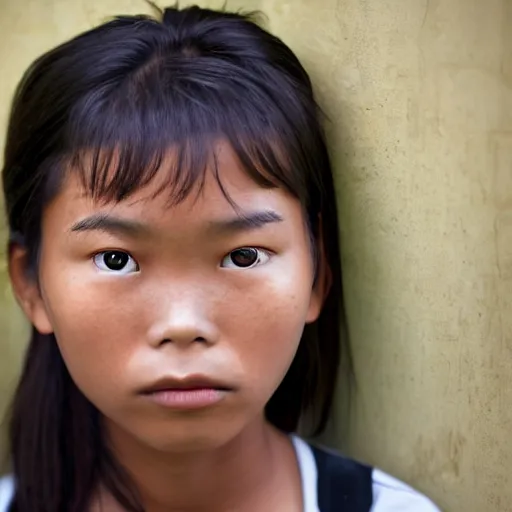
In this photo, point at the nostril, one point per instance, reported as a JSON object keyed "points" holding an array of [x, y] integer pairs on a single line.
{"points": [[199, 339]]}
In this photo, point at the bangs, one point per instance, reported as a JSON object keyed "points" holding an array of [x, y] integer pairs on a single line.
{"points": [[120, 134]]}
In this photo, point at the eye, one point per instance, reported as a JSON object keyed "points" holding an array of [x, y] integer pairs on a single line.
{"points": [[245, 257], [115, 262]]}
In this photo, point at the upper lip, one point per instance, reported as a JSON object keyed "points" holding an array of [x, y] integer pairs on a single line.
{"points": [[187, 382]]}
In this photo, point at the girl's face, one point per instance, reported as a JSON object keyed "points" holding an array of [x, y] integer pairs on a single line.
{"points": [[141, 296]]}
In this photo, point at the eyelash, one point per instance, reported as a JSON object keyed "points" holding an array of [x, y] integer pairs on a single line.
{"points": [[260, 251], [100, 263]]}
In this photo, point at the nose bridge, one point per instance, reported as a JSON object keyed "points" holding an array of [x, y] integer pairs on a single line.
{"points": [[183, 314]]}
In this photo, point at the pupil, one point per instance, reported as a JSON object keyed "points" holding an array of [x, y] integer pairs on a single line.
{"points": [[244, 257], [115, 260]]}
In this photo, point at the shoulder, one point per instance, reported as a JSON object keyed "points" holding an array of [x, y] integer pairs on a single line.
{"points": [[343, 480], [389, 494], [6, 492]]}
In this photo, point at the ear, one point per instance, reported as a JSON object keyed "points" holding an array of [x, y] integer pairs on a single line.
{"points": [[323, 282], [26, 289]]}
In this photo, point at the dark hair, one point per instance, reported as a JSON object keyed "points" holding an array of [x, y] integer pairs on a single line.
{"points": [[122, 94]]}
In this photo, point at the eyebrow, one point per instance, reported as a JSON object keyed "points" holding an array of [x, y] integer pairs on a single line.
{"points": [[247, 221], [110, 224]]}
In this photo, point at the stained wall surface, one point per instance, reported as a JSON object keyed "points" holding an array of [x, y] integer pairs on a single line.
{"points": [[419, 96]]}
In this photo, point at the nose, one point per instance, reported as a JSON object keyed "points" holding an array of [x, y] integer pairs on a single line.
{"points": [[183, 321]]}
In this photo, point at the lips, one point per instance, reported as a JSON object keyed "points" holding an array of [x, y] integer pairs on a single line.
{"points": [[187, 383], [188, 393]]}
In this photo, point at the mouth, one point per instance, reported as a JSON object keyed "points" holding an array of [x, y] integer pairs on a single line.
{"points": [[190, 392]]}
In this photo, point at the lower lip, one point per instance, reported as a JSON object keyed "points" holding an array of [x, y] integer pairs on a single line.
{"points": [[187, 399]]}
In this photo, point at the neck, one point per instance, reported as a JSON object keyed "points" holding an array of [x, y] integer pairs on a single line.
{"points": [[236, 476]]}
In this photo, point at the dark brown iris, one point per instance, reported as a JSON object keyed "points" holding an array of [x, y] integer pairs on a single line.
{"points": [[244, 257]]}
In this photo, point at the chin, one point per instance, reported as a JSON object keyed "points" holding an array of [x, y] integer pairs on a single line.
{"points": [[189, 441], [188, 444], [188, 435], [186, 431]]}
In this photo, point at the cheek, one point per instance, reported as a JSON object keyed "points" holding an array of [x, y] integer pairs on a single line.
{"points": [[266, 325], [85, 307], [93, 332], [270, 351]]}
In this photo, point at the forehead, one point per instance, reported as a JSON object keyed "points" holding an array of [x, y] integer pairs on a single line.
{"points": [[225, 187]]}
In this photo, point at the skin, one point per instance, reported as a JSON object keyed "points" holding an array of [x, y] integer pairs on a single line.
{"points": [[181, 307]]}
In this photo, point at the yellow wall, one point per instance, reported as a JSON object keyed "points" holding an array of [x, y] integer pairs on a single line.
{"points": [[420, 96]]}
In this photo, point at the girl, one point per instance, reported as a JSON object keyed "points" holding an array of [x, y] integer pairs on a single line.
{"points": [[174, 244]]}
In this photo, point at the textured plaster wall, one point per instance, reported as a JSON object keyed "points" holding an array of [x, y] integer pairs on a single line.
{"points": [[419, 94]]}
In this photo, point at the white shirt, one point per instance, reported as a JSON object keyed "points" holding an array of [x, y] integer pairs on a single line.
{"points": [[389, 494]]}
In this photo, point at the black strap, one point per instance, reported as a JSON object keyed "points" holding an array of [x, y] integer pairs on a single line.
{"points": [[343, 485]]}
